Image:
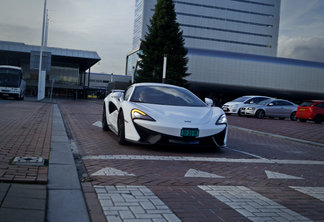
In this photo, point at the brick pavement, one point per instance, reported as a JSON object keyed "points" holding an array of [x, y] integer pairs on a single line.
{"points": [[25, 131], [166, 179], [295, 129]]}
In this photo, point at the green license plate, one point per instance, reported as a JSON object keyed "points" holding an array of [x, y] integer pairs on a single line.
{"points": [[189, 132]]}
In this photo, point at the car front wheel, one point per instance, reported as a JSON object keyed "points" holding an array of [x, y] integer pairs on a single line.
{"points": [[260, 114], [104, 120], [121, 129]]}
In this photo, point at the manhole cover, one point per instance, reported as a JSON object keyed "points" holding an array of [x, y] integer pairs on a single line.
{"points": [[30, 161]]}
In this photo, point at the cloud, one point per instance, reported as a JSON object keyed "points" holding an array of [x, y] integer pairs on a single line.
{"points": [[104, 26], [311, 49]]}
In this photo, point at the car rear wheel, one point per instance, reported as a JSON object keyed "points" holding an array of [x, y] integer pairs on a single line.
{"points": [[260, 114], [293, 116], [121, 129], [104, 120], [318, 119]]}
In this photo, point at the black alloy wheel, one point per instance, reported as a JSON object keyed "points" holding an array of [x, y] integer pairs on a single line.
{"points": [[121, 128], [105, 126]]}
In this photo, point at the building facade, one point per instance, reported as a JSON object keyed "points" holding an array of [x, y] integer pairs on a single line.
{"points": [[227, 25], [233, 44], [67, 69]]}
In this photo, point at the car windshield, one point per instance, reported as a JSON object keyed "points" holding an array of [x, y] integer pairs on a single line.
{"points": [[304, 104], [264, 102], [9, 77], [241, 99], [164, 95]]}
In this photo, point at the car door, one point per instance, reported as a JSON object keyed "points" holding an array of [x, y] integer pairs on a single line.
{"points": [[272, 109], [287, 108]]}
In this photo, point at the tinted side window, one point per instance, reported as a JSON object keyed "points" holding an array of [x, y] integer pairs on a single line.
{"points": [[276, 103], [320, 105], [259, 99], [285, 103]]}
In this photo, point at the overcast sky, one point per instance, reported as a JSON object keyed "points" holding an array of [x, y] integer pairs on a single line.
{"points": [[106, 26]]}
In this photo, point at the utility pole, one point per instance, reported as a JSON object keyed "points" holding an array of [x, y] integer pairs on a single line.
{"points": [[164, 67], [41, 73]]}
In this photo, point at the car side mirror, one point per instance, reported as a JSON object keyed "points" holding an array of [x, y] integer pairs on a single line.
{"points": [[209, 102], [118, 95]]}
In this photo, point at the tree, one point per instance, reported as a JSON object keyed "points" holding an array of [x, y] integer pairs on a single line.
{"points": [[163, 37]]}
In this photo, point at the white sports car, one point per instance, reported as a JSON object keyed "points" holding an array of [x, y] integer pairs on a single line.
{"points": [[153, 113]]}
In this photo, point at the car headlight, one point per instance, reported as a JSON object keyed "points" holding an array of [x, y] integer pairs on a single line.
{"points": [[138, 114], [251, 108], [234, 106], [222, 120]]}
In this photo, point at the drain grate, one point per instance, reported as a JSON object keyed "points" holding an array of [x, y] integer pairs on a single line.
{"points": [[29, 161]]}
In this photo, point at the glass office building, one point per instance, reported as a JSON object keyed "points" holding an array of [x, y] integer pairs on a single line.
{"points": [[232, 43]]}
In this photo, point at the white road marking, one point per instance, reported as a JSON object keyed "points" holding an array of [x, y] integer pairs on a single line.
{"points": [[198, 173], [246, 153], [133, 203], [252, 205], [98, 124], [109, 171], [276, 175], [316, 192], [202, 159]]}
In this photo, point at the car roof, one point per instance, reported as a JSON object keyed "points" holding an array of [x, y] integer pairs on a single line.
{"points": [[155, 84], [315, 101], [10, 67]]}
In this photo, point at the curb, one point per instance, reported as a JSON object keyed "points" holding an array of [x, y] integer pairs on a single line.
{"points": [[63, 182]]}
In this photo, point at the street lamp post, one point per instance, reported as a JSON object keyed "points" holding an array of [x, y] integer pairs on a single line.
{"points": [[42, 74]]}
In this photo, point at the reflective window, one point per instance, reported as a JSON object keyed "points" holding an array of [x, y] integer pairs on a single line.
{"points": [[241, 99], [164, 95]]}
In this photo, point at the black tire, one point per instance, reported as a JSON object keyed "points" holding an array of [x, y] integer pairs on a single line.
{"points": [[302, 120], [293, 116], [239, 113], [121, 129], [318, 119], [260, 114], [105, 126]]}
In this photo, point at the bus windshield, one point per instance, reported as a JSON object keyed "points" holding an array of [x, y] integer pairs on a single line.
{"points": [[10, 77]]}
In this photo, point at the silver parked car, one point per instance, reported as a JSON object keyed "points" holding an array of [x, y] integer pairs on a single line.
{"points": [[233, 107], [273, 108]]}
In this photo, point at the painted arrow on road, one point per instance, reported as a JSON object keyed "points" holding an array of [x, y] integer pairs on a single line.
{"points": [[198, 173], [275, 175], [109, 171]]}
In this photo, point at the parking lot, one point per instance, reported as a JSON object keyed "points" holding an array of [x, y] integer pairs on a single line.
{"points": [[262, 175], [271, 170]]}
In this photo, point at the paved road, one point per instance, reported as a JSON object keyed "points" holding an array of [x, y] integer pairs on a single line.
{"points": [[257, 177]]}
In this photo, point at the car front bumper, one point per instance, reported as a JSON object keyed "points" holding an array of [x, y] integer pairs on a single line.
{"points": [[148, 136]]}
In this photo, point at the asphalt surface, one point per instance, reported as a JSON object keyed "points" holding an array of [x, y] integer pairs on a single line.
{"points": [[264, 174]]}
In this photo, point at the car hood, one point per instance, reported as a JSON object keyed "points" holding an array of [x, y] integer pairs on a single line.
{"points": [[233, 103], [181, 114]]}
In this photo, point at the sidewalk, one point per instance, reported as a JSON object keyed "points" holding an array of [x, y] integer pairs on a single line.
{"points": [[50, 192], [25, 131]]}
